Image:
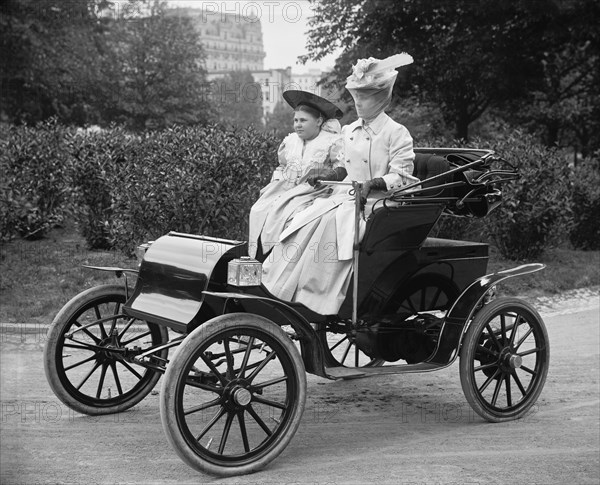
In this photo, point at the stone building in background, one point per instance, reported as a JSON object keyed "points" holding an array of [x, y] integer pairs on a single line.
{"points": [[234, 42]]}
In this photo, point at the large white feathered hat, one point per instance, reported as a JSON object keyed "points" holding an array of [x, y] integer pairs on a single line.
{"points": [[372, 73]]}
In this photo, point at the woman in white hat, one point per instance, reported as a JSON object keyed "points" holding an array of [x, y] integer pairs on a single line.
{"points": [[313, 263], [314, 149]]}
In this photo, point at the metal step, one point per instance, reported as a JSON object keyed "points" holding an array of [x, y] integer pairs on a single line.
{"points": [[357, 372]]}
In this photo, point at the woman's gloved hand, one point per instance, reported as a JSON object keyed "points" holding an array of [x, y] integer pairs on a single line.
{"points": [[315, 175], [373, 184]]}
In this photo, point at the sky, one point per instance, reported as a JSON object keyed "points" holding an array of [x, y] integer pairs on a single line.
{"points": [[284, 27]]}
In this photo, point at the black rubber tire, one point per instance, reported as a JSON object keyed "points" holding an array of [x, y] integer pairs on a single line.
{"points": [[192, 386], [66, 374], [513, 361]]}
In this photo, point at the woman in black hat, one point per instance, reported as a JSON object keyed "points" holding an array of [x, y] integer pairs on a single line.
{"points": [[313, 150]]}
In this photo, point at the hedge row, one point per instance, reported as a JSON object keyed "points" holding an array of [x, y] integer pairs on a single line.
{"points": [[551, 202], [125, 189]]}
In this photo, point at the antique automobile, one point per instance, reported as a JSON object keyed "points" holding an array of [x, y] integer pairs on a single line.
{"points": [[234, 389]]}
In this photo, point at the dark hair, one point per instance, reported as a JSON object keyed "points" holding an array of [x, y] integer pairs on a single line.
{"points": [[311, 110]]}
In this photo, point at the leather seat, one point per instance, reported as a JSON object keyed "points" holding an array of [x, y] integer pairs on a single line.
{"points": [[426, 165]]}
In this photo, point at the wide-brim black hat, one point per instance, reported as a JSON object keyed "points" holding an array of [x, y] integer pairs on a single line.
{"points": [[296, 97]]}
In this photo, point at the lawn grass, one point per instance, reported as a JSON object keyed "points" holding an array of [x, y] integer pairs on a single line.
{"points": [[38, 277]]}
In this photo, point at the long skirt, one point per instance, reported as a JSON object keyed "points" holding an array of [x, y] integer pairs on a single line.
{"points": [[306, 269], [271, 213], [312, 263]]}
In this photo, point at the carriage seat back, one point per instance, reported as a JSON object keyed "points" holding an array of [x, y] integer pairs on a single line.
{"points": [[427, 165]]}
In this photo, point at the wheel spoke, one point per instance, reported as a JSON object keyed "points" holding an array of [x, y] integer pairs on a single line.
{"points": [[493, 336], [113, 325], [83, 346], [206, 405], [229, 357], [101, 382], [260, 422], [508, 391], [131, 369], [87, 332], [435, 299], [88, 375], [346, 352], [212, 422], [137, 337], [77, 364], [249, 345], [530, 351], [113, 367], [523, 338], [243, 431], [513, 334], [527, 369], [204, 387], [225, 434], [503, 329], [212, 367], [485, 366], [262, 365], [269, 402], [518, 382], [497, 390], [126, 327], [411, 307], [339, 343], [100, 325], [272, 382], [487, 382]]}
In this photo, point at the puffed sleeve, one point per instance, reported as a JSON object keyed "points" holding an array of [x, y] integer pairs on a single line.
{"points": [[336, 153], [401, 159], [278, 172]]}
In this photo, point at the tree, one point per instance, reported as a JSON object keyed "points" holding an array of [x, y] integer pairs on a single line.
{"points": [[565, 108], [469, 56], [281, 121], [50, 52], [85, 61], [237, 98], [156, 69]]}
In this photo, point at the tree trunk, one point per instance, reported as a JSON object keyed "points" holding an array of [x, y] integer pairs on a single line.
{"points": [[461, 131], [552, 129]]}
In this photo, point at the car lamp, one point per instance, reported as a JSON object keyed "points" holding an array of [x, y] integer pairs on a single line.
{"points": [[244, 271]]}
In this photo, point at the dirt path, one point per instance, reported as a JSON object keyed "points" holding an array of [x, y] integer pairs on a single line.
{"points": [[409, 429]]}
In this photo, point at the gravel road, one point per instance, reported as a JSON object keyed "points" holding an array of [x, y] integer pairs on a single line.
{"points": [[407, 429]]}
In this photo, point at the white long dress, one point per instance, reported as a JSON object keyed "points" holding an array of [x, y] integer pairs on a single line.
{"points": [[312, 264], [288, 192]]}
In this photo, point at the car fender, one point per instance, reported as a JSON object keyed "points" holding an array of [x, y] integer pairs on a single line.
{"points": [[462, 311], [312, 353]]}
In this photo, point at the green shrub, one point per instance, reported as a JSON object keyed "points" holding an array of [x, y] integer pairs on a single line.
{"points": [[35, 187], [96, 155], [536, 209], [200, 180], [585, 233]]}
